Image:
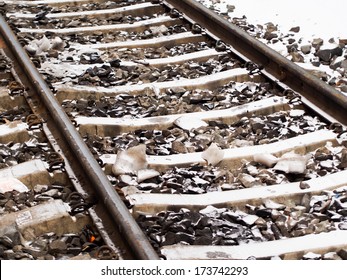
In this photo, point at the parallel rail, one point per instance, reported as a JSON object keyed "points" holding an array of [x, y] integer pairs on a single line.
{"points": [[91, 170]]}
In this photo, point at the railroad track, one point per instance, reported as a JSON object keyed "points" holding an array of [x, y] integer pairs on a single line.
{"points": [[41, 212], [184, 137]]}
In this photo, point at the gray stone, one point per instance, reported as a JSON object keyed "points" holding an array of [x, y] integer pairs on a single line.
{"points": [[343, 41], [17, 248], [263, 213], [342, 254], [178, 147], [131, 160], [270, 204], [257, 124], [52, 193], [169, 239], [230, 8], [213, 155], [268, 235], [194, 217], [57, 246], [9, 254], [292, 41], [269, 36], [343, 159], [343, 88], [324, 55], [305, 49], [322, 227], [204, 232], [228, 242], [337, 51], [316, 43], [177, 90], [292, 47], [295, 29], [292, 163], [184, 237], [40, 188], [315, 62], [256, 233], [327, 54], [6, 241], [249, 220], [344, 64], [304, 185], [270, 27], [203, 240], [126, 180], [74, 250], [11, 206], [35, 252], [331, 40], [22, 256], [247, 180], [145, 174]]}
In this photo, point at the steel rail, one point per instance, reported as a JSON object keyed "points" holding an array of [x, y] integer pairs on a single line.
{"points": [[126, 224], [328, 99]]}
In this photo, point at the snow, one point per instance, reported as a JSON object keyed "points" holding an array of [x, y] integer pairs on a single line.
{"points": [[316, 18]]}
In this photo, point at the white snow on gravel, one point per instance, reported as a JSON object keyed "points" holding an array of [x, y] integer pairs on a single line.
{"points": [[317, 18]]}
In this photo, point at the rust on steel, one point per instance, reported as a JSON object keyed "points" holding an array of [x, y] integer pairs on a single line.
{"points": [[124, 222], [314, 90]]}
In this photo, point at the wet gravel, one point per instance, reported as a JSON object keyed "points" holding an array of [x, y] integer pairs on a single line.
{"points": [[108, 76], [17, 113], [112, 36], [228, 226], [197, 179], [50, 246], [68, 23], [14, 153], [115, 74], [190, 180], [111, 72], [174, 101], [160, 52], [248, 131], [41, 9], [114, 58], [15, 201]]}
